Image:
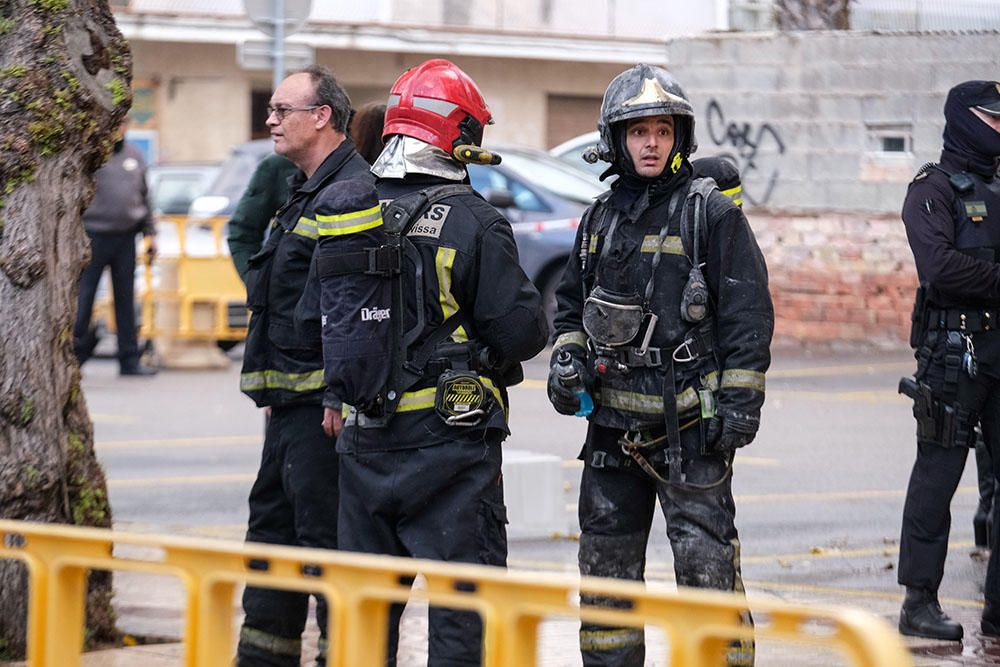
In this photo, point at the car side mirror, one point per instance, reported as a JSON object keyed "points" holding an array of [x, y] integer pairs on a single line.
{"points": [[499, 198]]}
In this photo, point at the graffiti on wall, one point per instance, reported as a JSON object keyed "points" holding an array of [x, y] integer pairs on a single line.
{"points": [[752, 148]]}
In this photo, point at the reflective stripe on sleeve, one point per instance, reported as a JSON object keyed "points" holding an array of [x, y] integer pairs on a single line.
{"points": [[271, 379], [350, 223], [741, 378], [307, 228], [570, 338], [736, 194]]}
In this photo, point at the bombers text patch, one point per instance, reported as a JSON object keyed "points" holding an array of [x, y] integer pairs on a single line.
{"points": [[431, 222]]}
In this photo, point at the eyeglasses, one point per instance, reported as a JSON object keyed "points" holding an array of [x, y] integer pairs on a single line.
{"points": [[281, 112]]}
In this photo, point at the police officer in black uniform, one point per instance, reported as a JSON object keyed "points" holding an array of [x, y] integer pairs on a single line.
{"points": [[420, 466], [294, 499], [952, 218], [665, 320]]}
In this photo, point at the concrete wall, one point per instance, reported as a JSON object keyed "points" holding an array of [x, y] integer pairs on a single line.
{"points": [[803, 113]]}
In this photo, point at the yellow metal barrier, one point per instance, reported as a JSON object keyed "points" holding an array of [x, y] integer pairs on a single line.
{"points": [[359, 588], [196, 293]]}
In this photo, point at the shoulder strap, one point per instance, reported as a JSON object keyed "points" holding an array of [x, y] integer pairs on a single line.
{"points": [[402, 211], [696, 213]]}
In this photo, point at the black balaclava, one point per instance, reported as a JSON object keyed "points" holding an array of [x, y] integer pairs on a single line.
{"points": [[630, 185], [968, 141]]}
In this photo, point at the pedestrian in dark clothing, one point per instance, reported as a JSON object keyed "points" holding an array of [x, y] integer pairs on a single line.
{"points": [[294, 500], [266, 192], [952, 218], [120, 210], [665, 320], [420, 466], [366, 130]]}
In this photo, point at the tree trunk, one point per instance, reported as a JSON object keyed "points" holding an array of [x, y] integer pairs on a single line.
{"points": [[65, 84]]}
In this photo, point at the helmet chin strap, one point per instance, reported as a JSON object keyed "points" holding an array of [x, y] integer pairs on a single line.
{"points": [[404, 155]]}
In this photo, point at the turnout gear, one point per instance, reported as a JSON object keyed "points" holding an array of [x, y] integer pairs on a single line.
{"points": [[283, 361], [294, 499], [950, 214], [463, 317], [665, 301]]}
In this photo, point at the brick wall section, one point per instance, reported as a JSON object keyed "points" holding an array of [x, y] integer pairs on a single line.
{"points": [[838, 280]]}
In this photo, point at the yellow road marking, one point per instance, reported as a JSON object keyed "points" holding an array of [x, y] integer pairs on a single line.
{"points": [[873, 396], [99, 418], [182, 442], [836, 495], [181, 481], [825, 371], [740, 458]]}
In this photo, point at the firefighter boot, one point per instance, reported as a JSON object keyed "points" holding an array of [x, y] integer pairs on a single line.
{"points": [[921, 616]]}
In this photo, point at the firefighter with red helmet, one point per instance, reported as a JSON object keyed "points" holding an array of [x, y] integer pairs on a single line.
{"points": [[420, 463]]}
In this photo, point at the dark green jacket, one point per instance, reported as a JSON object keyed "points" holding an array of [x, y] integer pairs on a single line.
{"points": [[266, 192]]}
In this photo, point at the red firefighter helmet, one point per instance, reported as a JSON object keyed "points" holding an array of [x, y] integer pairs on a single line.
{"points": [[438, 103]]}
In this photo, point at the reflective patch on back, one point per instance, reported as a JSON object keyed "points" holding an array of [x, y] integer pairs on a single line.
{"points": [[431, 222]]}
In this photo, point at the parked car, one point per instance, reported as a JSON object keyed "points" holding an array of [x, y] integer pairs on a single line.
{"points": [[543, 199], [571, 152], [233, 176], [173, 187]]}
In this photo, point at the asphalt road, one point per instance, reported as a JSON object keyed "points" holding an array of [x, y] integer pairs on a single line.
{"points": [[819, 493]]}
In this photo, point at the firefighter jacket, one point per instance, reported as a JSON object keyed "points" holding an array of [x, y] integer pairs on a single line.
{"points": [[732, 347], [282, 363], [467, 267], [955, 236]]}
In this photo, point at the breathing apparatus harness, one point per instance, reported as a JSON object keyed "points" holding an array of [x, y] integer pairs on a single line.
{"points": [[461, 398], [612, 320]]}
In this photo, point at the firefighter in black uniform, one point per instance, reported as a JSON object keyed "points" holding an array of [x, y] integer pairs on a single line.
{"points": [[665, 320], [294, 499], [420, 469], [952, 218]]}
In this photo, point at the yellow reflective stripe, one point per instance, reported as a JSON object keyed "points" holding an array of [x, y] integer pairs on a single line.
{"points": [[736, 194], [648, 404], [306, 227], [672, 245], [349, 223], [741, 378], [271, 379], [592, 246], [606, 640], [444, 261], [423, 399], [270, 643], [570, 338]]}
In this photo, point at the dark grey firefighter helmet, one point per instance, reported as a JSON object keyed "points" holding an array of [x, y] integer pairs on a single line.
{"points": [[644, 90]]}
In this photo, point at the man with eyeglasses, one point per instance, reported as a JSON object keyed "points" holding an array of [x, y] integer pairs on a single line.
{"points": [[294, 499]]}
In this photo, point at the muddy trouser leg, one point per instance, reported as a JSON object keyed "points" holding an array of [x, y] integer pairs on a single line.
{"points": [[616, 508], [293, 502], [702, 531]]}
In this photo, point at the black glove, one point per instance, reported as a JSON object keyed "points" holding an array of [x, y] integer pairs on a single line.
{"points": [[566, 400], [728, 431]]}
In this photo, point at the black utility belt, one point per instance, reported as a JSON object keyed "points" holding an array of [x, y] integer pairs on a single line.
{"points": [[969, 320]]}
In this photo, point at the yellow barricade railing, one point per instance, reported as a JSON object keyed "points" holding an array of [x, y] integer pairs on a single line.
{"points": [[193, 292], [359, 588]]}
